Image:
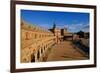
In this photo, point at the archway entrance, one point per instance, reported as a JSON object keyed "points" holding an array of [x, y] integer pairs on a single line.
{"points": [[32, 58]]}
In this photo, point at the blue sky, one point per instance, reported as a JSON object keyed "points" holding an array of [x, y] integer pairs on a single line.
{"points": [[74, 21]]}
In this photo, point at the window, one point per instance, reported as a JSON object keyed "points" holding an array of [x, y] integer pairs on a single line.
{"points": [[35, 36]]}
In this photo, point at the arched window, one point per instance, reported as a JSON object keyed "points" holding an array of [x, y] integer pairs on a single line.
{"points": [[35, 36]]}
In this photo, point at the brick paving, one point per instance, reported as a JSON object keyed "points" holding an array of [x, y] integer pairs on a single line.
{"points": [[65, 51]]}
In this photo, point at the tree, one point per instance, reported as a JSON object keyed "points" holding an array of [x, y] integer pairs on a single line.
{"points": [[81, 34]]}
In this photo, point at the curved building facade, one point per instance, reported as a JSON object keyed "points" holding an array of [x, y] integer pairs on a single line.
{"points": [[35, 43]]}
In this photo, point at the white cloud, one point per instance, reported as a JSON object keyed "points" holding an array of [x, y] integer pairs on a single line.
{"points": [[78, 27]]}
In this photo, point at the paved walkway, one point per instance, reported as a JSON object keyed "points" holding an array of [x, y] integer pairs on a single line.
{"points": [[64, 51]]}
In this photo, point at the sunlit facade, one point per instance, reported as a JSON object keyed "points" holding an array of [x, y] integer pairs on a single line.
{"points": [[35, 43]]}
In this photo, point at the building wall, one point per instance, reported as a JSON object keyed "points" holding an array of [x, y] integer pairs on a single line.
{"points": [[35, 42], [57, 33]]}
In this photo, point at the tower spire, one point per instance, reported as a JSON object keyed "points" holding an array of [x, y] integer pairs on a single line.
{"points": [[54, 25]]}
